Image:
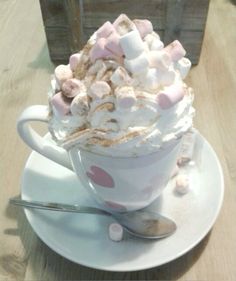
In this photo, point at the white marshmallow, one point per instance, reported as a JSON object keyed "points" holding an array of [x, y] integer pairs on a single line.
{"points": [[151, 80], [167, 77], [79, 105], [132, 44], [183, 65], [99, 89], [156, 45], [138, 65], [120, 77], [125, 97], [115, 232], [159, 59]]}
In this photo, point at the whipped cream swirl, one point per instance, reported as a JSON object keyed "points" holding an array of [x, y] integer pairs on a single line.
{"points": [[123, 94]]}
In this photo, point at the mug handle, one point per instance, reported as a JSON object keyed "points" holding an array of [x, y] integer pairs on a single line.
{"points": [[35, 141]]}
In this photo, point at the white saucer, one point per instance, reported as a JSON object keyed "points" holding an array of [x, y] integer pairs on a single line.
{"points": [[84, 239]]}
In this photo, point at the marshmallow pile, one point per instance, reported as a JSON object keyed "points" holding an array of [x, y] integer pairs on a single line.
{"points": [[123, 92]]}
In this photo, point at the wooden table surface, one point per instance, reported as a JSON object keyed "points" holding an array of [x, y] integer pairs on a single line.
{"points": [[25, 70]]}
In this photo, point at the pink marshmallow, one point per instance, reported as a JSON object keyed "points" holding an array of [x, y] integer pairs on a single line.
{"points": [[72, 87], [113, 44], [170, 96], [74, 60], [175, 50], [61, 104], [144, 27], [63, 73], [99, 51], [105, 30]]}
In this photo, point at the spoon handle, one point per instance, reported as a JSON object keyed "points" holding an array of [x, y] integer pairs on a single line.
{"points": [[52, 206]]}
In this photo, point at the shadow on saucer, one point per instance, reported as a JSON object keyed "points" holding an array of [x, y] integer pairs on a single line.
{"points": [[41, 263]]}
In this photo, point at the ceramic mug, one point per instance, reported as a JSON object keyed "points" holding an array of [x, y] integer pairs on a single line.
{"points": [[118, 183]]}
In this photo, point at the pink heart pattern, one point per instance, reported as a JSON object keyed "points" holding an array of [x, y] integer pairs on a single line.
{"points": [[100, 177]]}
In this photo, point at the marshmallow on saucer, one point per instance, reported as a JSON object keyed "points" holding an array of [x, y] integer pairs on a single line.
{"points": [[182, 184], [144, 27], [175, 50], [138, 65], [115, 232], [61, 103], [120, 77], [99, 89], [105, 30], [99, 51], [125, 97], [187, 148], [170, 96], [72, 87], [62, 73], [79, 105], [74, 61], [132, 44], [159, 59], [113, 44], [123, 25], [183, 65]]}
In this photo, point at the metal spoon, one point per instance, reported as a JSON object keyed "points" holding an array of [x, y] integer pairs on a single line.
{"points": [[141, 223]]}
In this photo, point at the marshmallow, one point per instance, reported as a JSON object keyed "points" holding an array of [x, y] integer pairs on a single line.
{"points": [[187, 148], [101, 72], [132, 44], [125, 97], [99, 51], [159, 59], [94, 68], [170, 96], [151, 80], [149, 38], [137, 65], [120, 77], [79, 105], [176, 50], [72, 87], [167, 77], [183, 65], [144, 27], [113, 44], [74, 61], [99, 89], [156, 45], [175, 171], [62, 73], [61, 104], [182, 184], [115, 232], [123, 25], [105, 30]]}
